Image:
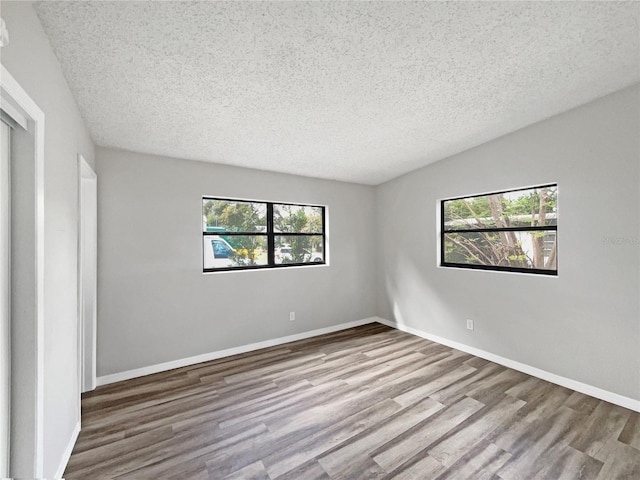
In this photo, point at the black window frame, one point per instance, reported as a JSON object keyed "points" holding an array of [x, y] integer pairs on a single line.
{"points": [[498, 268], [270, 233]]}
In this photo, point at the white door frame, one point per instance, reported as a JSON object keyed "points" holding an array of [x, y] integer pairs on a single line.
{"points": [[27, 285], [87, 274], [5, 286]]}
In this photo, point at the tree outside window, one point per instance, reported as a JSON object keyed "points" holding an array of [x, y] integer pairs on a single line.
{"points": [[513, 230]]}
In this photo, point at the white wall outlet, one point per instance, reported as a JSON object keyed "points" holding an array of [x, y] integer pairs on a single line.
{"points": [[292, 316], [469, 324]]}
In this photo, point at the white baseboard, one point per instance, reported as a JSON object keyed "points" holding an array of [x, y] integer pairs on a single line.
{"points": [[206, 357], [67, 452], [590, 390]]}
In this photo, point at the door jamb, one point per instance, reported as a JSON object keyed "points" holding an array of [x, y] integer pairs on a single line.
{"points": [[86, 174], [12, 93]]}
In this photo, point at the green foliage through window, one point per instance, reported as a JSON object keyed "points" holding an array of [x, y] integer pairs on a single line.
{"points": [[247, 234], [513, 230]]}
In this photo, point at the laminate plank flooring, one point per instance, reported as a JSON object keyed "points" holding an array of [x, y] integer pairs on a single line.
{"points": [[366, 403]]}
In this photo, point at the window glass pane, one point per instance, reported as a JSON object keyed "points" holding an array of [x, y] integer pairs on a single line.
{"points": [[227, 251], [529, 249], [297, 219], [240, 234], [298, 249], [233, 216], [521, 208]]}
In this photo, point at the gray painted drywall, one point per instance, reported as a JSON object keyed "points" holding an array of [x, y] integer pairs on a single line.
{"points": [[584, 324], [31, 61], [155, 304]]}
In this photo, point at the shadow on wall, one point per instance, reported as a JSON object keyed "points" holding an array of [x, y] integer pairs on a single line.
{"points": [[423, 303], [414, 301]]}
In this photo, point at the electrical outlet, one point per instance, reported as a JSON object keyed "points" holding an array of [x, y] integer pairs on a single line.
{"points": [[292, 316], [469, 324]]}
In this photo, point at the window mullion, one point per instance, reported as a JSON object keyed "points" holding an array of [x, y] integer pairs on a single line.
{"points": [[271, 245], [502, 229]]}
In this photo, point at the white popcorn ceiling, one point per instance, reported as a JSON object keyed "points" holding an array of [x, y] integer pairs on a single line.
{"points": [[353, 91]]}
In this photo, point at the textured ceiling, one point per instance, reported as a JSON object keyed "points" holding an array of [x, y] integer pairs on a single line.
{"points": [[354, 91]]}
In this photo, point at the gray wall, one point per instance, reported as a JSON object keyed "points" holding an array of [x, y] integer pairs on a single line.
{"points": [[584, 324], [155, 304], [30, 60]]}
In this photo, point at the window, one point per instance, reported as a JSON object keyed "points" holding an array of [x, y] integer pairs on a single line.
{"points": [[512, 231], [246, 234]]}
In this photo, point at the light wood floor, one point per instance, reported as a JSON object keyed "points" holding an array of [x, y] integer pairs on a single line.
{"points": [[370, 402]]}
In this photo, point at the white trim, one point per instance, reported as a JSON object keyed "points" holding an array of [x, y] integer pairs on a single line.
{"points": [[87, 182], [13, 112], [265, 268], [590, 390], [67, 451], [12, 91], [5, 293], [183, 362]]}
